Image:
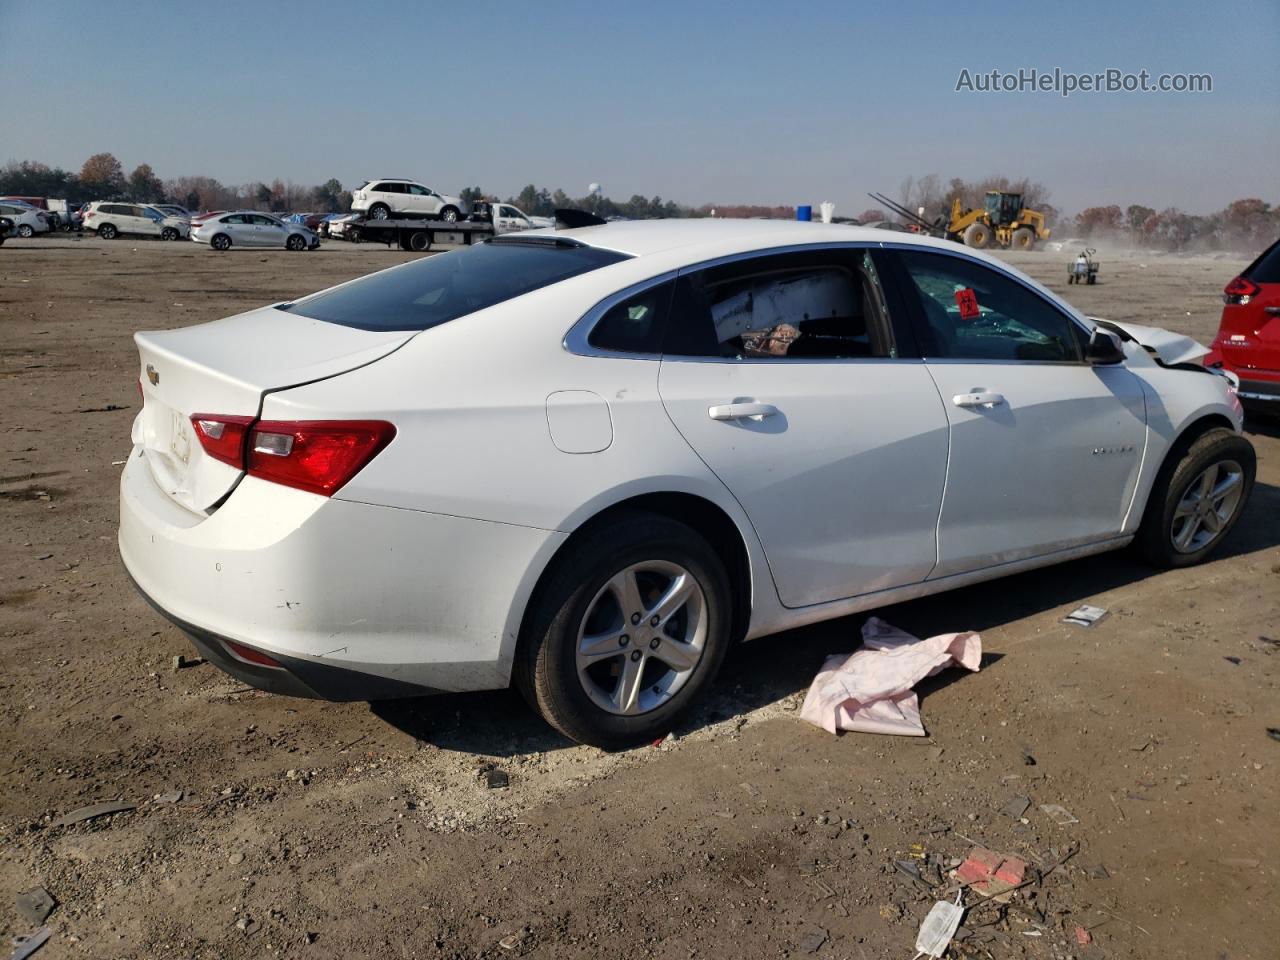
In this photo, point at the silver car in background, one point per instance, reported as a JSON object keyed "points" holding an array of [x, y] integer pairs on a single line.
{"points": [[248, 228]]}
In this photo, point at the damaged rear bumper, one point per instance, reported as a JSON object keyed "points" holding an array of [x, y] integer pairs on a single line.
{"points": [[294, 677]]}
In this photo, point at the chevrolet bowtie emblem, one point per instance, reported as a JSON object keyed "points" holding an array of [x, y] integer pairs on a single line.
{"points": [[153, 374]]}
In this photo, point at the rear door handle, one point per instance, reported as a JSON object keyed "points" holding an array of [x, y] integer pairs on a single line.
{"points": [[737, 411], [979, 398]]}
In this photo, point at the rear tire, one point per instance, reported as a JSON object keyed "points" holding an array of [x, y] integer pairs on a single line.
{"points": [[1194, 504], [220, 242], [379, 211], [108, 231], [580, 599], [450, 214], [420, 241], [977, 235], [26, 231]]}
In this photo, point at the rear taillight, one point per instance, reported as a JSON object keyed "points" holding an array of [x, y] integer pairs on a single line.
{"points": [[250, 655], [318, 456], [222, 437], [1240, 290]]}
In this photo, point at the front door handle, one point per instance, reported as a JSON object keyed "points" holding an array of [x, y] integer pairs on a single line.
{"points": [[737, 411], [979, 398]]}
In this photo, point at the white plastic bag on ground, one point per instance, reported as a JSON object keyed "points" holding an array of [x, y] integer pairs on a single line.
{"points": [[870, 690]]}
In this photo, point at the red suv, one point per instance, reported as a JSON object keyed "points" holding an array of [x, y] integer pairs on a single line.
{"points": [[1248, 341]]}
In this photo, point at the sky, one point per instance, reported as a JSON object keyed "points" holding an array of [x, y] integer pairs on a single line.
{"points": [[744, 102]]}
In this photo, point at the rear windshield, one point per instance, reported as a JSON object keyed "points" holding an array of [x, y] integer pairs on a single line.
{"points": [[435, 290], [1266, 269]]}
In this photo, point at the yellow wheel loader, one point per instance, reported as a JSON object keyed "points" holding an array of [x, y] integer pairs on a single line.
{"points": [[1001, 222]]}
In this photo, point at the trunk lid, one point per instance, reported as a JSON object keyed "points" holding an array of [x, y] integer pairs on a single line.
{"points": [[225, 368]]}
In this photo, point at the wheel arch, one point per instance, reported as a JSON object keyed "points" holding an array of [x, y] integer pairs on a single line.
{"points": [[701, 514], [1192, 430]]}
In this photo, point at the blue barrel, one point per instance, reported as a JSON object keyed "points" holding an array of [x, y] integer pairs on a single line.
{"points": [[804, 213]]}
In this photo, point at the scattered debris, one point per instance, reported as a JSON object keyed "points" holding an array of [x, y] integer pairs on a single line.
{"points": [[93, 812], [1059, 815], [25, 946], [35, 905], [512, 941], [248, 926], [812, 941], [1099, 872], [1016, 807], [1085, 615], [1236, 660], [1083, 937], [181, 663], [1027, 758], [496, 780], [870, 690], [939, 926], [1246, 863], [236, 859], [991, 874], [1273, 733], [174, 796]]}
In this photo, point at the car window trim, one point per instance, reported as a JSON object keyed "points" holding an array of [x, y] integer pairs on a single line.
{"points": [[576, 340], [920, 324]]}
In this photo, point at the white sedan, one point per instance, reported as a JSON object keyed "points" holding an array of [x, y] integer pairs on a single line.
{"points": [[589, 460], [248, 228]]}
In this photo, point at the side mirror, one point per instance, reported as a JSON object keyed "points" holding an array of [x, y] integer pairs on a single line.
{"points": [[1104, 348]]}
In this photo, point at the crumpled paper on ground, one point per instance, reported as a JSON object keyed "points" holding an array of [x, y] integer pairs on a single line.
{"points": [[870, 690]]}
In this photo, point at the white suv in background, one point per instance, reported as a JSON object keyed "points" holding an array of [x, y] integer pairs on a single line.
{"points": [[110, 220], [381, 199]]}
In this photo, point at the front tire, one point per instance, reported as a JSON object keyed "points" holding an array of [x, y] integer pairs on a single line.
{"points": [[627, 632], [296, 242], [169, 233], [977, 235], [1197, 499], [1024, 238], [220, 242]]}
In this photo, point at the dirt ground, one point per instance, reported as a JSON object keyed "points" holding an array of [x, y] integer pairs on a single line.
{"points": [[309, 829]]}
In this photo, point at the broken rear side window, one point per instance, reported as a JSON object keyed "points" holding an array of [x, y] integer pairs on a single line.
{"points": [[435, 290]]}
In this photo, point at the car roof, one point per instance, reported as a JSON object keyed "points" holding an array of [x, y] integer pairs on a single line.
{"points": [[722, 236]]}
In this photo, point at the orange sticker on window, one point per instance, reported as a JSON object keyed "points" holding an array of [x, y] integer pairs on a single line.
{"points": [[967, 301]]}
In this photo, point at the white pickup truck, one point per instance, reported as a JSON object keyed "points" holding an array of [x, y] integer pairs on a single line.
{"points": [[506, 217]]}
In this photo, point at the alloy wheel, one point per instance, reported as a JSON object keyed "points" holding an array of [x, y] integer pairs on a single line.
{"points": [[1207, 506], [642, 637]]}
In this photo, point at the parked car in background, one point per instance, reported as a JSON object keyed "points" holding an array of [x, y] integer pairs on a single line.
{"points": [[248, 228], [591, 461], [111, 220], [311, 221], [199, 218], [322, 227], [380, 199], [337, 227], [173, 210], [1248, 340], [27, 220]]}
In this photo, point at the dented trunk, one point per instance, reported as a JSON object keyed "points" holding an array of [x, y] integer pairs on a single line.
{"points": [[225, 368]]}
